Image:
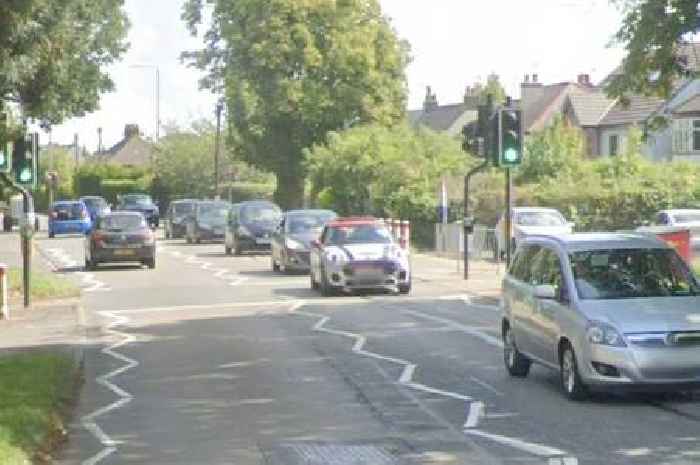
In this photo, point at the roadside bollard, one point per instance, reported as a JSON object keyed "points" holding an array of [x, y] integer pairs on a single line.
{"points": [[4, 305], [405, 240]]}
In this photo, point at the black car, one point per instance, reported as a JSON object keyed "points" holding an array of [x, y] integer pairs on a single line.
{"points": [[291, 242], [143, 204], [120, 237], [251, 225], [175, 222], [207, 222]]}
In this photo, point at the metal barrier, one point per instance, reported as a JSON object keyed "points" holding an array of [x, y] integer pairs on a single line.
{"points": [[4, 305], [449, 241]]}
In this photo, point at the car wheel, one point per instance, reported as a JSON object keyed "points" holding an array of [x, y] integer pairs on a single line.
{"points": [[188, 239], [314, 284], [167, 234], [150, 262], [227, 249], [406, 288], [571, 383], [7, 223], [90, 264], [517, 364], [51, 235], [275, 265], [198, 240], [326, 289], [237, 250]]}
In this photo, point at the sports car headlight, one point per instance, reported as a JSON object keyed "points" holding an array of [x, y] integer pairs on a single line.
{"points": [[293, 244], [603, 334]]}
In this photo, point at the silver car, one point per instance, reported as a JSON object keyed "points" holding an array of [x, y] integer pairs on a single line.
{"points": [[605, 310]]}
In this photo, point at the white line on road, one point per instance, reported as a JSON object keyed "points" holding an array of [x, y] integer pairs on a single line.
{"points": [[535, 449], [88, 421], [494, 341], [475, 411]]}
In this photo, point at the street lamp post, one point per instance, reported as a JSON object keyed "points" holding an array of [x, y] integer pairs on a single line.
{"points": [[217, 148], [157, 91]]}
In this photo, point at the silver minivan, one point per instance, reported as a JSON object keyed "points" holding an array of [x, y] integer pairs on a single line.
{"points": [[605, 311]]}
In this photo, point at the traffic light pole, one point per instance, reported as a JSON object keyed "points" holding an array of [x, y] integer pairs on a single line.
{"points": [[509, 218]]}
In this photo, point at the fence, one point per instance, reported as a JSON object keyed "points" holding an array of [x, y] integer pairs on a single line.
{"points": [[449, 241]]}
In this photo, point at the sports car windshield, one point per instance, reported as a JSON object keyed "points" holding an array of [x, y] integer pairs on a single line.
{"points": [[539, 219], [631, 273], [687, 218], [359, 234]]}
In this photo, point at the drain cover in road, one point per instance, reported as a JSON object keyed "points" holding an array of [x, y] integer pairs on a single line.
{"points": [[329, 454]]}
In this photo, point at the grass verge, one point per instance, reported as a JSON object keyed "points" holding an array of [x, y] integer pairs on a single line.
{"points": [[44, 285], [35, 390]]}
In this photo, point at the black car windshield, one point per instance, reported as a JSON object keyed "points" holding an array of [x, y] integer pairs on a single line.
{"points": [[141, 200], [95, 202], [541, 218], [301, 223], [122, 222], [213, 212], [631, 273], [359, 234], [260, 214]]}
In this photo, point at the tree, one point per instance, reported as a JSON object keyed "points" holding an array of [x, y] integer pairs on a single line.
{"points": [[494, 88], [294, 70], [554, 152], [54, 54], [384, 171], [653, 33]]}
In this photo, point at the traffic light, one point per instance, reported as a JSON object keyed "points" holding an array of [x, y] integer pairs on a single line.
{"points": [[510, 140], [470, 142], [6, 157], [24, 160]]}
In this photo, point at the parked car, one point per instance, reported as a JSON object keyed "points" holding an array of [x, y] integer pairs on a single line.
{"points": [[291, 241], [69, 217], [96, 205], [175, 223], [528, 221], [685, 218], [120, 237], [143, 204], [250, 226], [207, 222], [604, 310], [358, 254]]}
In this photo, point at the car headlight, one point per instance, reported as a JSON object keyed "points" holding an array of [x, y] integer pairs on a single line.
{"points": [[293, 244], [604, 334], [245, 232]]}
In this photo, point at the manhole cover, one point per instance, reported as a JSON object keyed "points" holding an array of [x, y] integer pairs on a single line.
{"points": [[330, 454]]}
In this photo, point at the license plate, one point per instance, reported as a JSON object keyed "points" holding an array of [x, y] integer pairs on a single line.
{"points": [[124, 252], [366, 268], [262, 241]]}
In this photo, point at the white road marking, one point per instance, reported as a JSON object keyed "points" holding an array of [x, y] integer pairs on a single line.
{"points": [[563, 461], [88, 421], [238, 281], [89, 282], [475, 410], [532, 448], [494, 341]]}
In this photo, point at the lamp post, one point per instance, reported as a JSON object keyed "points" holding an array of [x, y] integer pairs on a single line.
{"points": [[157, 91], [217, 148]]}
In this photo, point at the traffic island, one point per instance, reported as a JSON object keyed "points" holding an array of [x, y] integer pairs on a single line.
{"points": [[37, 392], [45, 286]]}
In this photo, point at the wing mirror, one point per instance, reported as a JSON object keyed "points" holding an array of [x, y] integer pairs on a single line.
{"points": [[316, 244], [545, 292]]}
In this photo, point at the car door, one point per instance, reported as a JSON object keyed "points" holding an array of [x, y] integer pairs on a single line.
{"points": [[518, 296], [547, 313]]}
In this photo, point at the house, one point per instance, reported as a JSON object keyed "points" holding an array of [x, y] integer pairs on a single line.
{"points": [[450, 118], [133, 150], [606, 122]]}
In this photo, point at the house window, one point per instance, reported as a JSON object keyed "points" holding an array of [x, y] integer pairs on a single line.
{"points": [[613, 145], [696, 135]]}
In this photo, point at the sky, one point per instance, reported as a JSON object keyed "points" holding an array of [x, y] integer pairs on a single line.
{"points": [[454, 43]]}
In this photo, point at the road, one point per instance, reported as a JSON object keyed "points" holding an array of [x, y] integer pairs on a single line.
{"points": [[210, 359]]}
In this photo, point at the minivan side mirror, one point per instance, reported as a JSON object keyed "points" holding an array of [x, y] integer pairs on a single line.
{"points": [[545, 292]]}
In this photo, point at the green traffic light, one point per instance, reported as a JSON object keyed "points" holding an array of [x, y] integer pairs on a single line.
{"points": [[3, 159], [510, 155], [25, 175]]}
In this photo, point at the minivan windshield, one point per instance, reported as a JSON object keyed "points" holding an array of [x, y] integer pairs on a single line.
{"points": [[539, 218], [631, 273]]}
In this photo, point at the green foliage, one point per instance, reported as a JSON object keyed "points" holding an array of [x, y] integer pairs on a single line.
{"points": [[110, 180], [54, 55], [294, 70], [651, 32], [556, 151], [63, 162], [494, 88], [388, 172]]}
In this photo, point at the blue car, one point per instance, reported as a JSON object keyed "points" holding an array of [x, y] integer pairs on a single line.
{"points": [[96, 205], [69, 217]]}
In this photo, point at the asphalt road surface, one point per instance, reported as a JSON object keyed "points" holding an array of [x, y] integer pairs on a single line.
{"points": [[210, 359]]}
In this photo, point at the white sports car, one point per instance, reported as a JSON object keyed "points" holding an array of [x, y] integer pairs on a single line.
{"points": [[359, 254]]}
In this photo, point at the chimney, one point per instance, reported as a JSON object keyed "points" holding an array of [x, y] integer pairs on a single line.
{"points": [[430, 102], [530, 92], [131, 130], [584, 80]]}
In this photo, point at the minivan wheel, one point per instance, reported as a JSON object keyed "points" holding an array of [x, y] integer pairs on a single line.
{"points": [[517, 364], [571, 383]]}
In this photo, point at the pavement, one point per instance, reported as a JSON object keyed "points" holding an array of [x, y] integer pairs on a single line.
{"points": [[211, 359]]}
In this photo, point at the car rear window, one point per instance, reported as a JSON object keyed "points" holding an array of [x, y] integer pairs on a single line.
{"points": [[260, 213], [182, 208], [68, 211], [542, 218], [122, 222]]}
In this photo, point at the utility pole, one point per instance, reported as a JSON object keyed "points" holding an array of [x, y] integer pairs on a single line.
{"points": [[76, 149], [99, 141], [217, 148]]}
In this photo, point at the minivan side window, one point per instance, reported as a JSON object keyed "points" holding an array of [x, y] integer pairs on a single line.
{"points": [[521, 267], [546, 269]]}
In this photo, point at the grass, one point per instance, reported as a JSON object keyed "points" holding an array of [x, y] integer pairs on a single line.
{"points": [[44, 286], [34, 390]]}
